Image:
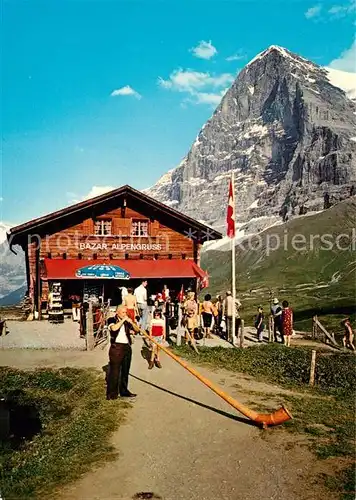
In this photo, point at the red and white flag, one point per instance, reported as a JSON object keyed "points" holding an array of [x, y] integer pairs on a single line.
{"points": [[204, 282], [230, 218], [181, 294]]}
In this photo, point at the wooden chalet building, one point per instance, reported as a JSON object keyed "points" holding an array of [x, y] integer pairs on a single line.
{"points": [[123, 228]]}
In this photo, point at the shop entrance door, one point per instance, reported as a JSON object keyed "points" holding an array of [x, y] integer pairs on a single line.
{"points": [[92, 291]]}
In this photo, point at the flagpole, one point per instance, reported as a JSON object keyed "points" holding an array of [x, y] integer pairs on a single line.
{"points": [[233, 265]]}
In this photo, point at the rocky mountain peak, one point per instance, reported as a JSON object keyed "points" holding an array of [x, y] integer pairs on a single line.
{"points": [[276, 50], [288, 134]]}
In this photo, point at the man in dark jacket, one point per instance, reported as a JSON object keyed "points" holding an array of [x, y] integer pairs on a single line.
{"points": [[119, 355], [276, 310]]}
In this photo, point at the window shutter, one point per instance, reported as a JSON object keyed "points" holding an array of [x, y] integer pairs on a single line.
{"points": [[121, 227], [88, 227], [154, 228]]}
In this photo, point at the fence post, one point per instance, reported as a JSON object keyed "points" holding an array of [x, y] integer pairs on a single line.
{"points": [[242, 333], [312, 368], [90, 328], [316, 326]]}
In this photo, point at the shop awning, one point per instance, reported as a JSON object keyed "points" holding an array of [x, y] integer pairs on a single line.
{"points": [[67, 269]]}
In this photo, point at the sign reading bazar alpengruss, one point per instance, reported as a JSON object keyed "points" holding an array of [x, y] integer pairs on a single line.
{"points": [[121, 246]]}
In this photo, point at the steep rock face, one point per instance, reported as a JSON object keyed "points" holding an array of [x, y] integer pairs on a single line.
{"points": [[286, 132], [12, 269]]}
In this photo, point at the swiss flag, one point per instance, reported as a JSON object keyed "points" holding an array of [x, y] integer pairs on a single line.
{"points": [[204, 282], [181, 295], [230, 218]]}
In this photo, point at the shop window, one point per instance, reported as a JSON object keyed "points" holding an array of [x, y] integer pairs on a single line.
{"points": [[156, 256], [141, 256], [80, 256], [170, 256], [95, 256], [126, 256], [139, 227], [102, 227], [184, 256], [111, 256], [49, 255], [64, 256]]}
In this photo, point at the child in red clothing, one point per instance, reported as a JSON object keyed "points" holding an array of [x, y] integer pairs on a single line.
{"points": [[157, 333], [287, 322]]}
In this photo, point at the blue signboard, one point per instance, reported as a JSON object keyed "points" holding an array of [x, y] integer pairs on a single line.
{"points": [[102, 271]]}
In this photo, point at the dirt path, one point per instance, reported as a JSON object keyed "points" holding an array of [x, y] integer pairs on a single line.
{"points": [[180, 441]]}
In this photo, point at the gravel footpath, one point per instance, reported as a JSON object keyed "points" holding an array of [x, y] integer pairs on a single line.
{"points": [[42, 335], [181, 442]]}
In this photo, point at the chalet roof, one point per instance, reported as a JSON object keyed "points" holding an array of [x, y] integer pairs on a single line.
{"points": [[74, 214]]}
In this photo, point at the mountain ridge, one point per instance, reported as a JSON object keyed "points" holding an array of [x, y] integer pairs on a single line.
{"points": [[287, 130], [265, 269], [278, 126]]}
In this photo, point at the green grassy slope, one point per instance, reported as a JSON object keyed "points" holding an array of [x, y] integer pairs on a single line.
{"points": [[314, 277]]}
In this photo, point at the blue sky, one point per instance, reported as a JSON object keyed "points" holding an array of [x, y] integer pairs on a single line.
{"points": [[102, 93]]}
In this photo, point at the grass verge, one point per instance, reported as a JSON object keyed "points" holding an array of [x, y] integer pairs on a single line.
{"points": [[324, 413], [76, 425], [335, 373]]}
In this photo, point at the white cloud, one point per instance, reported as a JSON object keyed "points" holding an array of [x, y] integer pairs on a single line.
{"points": [[344, 80], [237, 56], [201, 88], [335, 12], [94, 191], [209, 97], [97, 191], [71, 196], [313, 11], [126, 91], [346, 61], [189, 80], [338, 11], [204, 50]]}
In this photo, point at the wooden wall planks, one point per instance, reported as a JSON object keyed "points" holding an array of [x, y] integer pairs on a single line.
{"points": [[79, 241]]}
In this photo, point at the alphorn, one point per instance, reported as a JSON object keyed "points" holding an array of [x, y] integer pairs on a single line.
{"points": [[264, 419]]}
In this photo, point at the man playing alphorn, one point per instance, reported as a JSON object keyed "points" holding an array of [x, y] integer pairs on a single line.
{"points": [[120, 354]]}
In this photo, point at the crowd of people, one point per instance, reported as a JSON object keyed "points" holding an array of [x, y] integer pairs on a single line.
{"points": [[158, 312], [206, 317], [282, 316], [216, 315], [150, 314]]}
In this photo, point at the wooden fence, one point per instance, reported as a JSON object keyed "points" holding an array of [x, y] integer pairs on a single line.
{"points": [[319, 332]]}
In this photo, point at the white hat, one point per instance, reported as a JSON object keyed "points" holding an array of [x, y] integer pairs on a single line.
{"points": [[275, 301]]}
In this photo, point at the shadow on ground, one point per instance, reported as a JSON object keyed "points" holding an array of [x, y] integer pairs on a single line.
{"points": [[198, 403]]}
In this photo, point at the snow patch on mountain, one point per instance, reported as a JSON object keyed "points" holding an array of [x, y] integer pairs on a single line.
{"points": [[286, 129], [4, 228], [293, 58], [344, 80]]}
